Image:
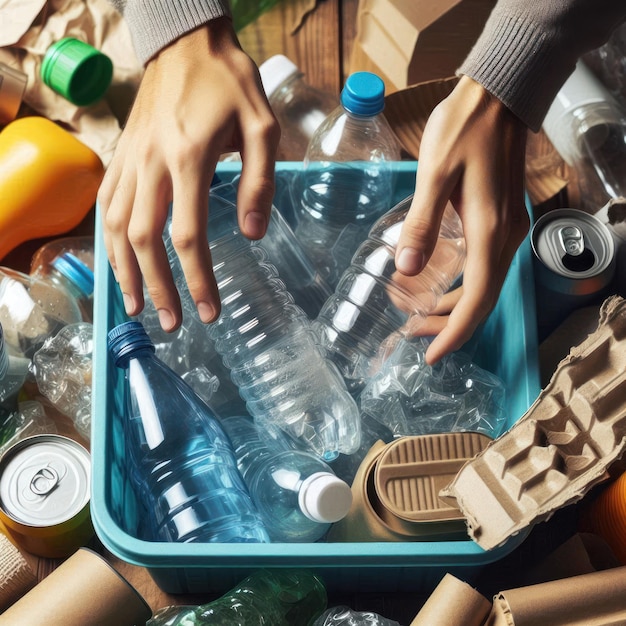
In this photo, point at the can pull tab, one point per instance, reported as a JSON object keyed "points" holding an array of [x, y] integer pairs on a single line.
{"points": [[44, 481], [577, 257]]}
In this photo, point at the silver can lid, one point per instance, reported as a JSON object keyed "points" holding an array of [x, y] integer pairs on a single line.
{"points": [[574, 245], [45, 480]]}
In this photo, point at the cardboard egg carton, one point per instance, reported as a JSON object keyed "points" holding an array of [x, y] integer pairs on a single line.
{"points": [[561, 447]]}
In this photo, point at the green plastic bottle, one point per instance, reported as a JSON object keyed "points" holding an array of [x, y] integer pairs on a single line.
{"points": [[265, 598]]}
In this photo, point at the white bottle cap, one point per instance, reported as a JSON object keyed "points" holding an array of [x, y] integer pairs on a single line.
{"points": [[325, 498], [581, 89], [275, 71]]}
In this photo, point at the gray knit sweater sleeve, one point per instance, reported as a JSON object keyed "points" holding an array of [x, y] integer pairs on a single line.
{"points": [[154, 24], [528, 49]]}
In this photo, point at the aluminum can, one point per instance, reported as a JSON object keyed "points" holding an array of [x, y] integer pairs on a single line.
{"points": [[45, 483], [574, 264]]}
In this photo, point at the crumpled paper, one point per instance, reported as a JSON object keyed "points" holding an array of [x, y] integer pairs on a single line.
{"points": [[29, 27]]}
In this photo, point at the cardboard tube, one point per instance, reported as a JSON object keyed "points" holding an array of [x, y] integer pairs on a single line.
{"points": [[16, 577], [453, 602], [84, 589], [587, 600]]}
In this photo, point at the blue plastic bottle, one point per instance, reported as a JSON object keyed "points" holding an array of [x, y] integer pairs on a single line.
{"points": [[181, 461], [296, 493]]}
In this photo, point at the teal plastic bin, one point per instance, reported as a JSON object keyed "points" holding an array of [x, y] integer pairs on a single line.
{"points": [[506, 346]]}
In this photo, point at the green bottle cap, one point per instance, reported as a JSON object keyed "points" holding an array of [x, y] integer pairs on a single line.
{"points": [[77, 71]]}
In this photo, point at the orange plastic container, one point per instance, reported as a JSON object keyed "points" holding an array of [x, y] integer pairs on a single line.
{"points": [[48, 181]]}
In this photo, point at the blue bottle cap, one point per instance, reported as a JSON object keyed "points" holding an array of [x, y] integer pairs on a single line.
{"points": [[363, 94], [77, 272], [126, 338]]}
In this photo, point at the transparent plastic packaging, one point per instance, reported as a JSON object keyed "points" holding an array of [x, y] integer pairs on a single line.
{"points": [[181, 461], [13, 373], [299, 107], [30, 418], [374, 305], [31, 310], [63, 371], [347, 177], [412, 398], [278, 597], [267, 343], [345, 616], [296, 493]]}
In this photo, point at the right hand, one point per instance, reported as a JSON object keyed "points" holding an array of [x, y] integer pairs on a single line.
{"points": [[201, 96]]}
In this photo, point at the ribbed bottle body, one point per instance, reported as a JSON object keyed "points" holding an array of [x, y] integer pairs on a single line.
{"points": [[267, 343], [374, 304]]}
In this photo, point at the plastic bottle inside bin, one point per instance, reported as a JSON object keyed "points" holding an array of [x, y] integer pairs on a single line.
{"points": [[277, 597], [267, 342], [180, 459], [374, 304], [347, 178], [296, 493], [298, 107]]}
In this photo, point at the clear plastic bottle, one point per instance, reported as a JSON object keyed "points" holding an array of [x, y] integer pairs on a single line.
{"points": [[587, 126], [13, 373], [31, 310], [181, 461], [299, 107], [285, 252], [268, 344], [278, 597], [67, 271], [374, 305], [296, 493], [81, 246], [347, 178]]}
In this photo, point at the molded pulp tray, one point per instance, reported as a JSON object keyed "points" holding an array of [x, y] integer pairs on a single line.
{"points": [[506, 345]]}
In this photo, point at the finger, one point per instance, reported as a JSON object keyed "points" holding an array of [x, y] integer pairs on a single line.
{"points": [[117, 219], [420, 229], [104, 199], [256, 185], [189, 238], [145, 233]]}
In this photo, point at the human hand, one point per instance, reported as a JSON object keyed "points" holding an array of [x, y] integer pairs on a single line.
{"points": [[472, 154], [199, 97]]}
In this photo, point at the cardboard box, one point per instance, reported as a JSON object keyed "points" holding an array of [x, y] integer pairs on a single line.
{"points": [[411, 42]]}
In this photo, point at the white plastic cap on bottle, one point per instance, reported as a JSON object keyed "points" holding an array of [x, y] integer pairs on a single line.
{"points": [[325, 498], [275, 71], [581, 89]]}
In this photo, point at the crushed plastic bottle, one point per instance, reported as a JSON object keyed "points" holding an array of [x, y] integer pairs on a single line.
{"points": [[278, 597], [345, 616]]}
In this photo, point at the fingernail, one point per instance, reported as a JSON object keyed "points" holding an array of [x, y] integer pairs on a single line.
{"points": [[129, 303], [166, 319], [205, 311], [255, 225], [410, 261]]}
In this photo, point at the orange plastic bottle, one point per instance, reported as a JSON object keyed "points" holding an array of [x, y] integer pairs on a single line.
{"points": [[48, 181]]}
